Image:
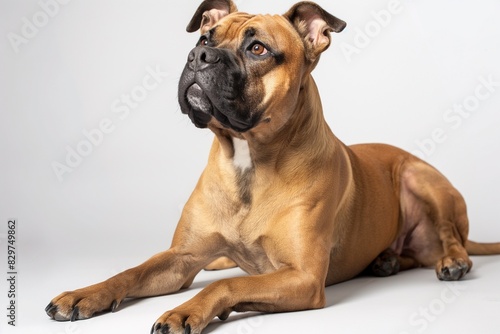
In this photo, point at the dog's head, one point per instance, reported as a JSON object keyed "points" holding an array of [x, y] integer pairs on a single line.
{"points": [[246, 71]]}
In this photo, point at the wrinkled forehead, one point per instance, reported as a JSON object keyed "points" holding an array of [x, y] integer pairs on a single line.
{"points": [[273, 29]]}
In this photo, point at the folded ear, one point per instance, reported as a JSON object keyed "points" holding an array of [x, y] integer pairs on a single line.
{"points": [[314, 24], [209, 13]]}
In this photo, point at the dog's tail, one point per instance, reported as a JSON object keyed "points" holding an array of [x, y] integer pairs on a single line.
{"points": [[478, 248]]}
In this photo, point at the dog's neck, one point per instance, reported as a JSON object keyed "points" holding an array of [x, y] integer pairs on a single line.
{"points": [[304, 131], [294, 152]]}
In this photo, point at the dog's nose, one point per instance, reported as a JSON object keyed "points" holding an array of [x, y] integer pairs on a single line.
{"points": [[202, 57]]}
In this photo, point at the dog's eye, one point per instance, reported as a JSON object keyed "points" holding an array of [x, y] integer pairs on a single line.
{"points": [[203, 41], [259, 49]]}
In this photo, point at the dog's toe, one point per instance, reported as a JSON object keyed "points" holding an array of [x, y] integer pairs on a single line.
{"points": [[51, 309], [159, 328], [74, 314]]}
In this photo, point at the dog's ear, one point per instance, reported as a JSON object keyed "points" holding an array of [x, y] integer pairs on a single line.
{"points": [[209, 13], [314, 24]]}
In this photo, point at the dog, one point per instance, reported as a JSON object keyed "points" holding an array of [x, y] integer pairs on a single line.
{"points": [[281, 197]]}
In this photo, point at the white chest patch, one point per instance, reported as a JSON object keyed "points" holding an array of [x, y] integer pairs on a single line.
{"points": [[241, 158]]}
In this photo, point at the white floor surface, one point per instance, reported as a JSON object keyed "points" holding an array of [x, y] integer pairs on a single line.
{"points": [[410, 302]]}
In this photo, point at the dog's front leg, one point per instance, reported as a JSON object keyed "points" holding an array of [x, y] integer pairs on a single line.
{"points": [[286, 289], [164, 273]]}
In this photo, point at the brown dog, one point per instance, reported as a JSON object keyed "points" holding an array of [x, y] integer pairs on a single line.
{"points": [[281, 196]]}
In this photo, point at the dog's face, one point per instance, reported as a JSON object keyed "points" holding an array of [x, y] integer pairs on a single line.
{"points": [[239, 70], [246, 71]]}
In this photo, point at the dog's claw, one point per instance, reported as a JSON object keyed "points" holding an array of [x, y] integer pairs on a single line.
{"points": [[74, 314], [158, 328], [114, 306], [224, 315], [51, 309]]}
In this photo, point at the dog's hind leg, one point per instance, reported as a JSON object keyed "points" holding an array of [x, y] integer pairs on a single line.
{"points": [[435, 215]]}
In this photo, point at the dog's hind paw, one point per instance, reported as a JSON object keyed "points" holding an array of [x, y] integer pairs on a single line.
{"points": [[452, 269], [386, 264]]}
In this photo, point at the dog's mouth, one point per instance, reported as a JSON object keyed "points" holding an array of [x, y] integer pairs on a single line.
{"points": [[196, 105], [198, 100], [201, 109]]}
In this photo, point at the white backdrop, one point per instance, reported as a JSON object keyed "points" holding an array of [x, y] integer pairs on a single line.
{"points": [[97, 160]]}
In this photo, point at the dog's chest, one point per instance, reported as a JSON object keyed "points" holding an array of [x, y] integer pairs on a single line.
{"points": [[243, 170], [241, 213], [241, 158], [246, 247], [246, 239]]}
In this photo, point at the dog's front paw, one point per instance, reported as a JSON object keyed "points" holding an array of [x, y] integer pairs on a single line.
{"points": [[452, 269], [182, 320], [81, 304]]}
